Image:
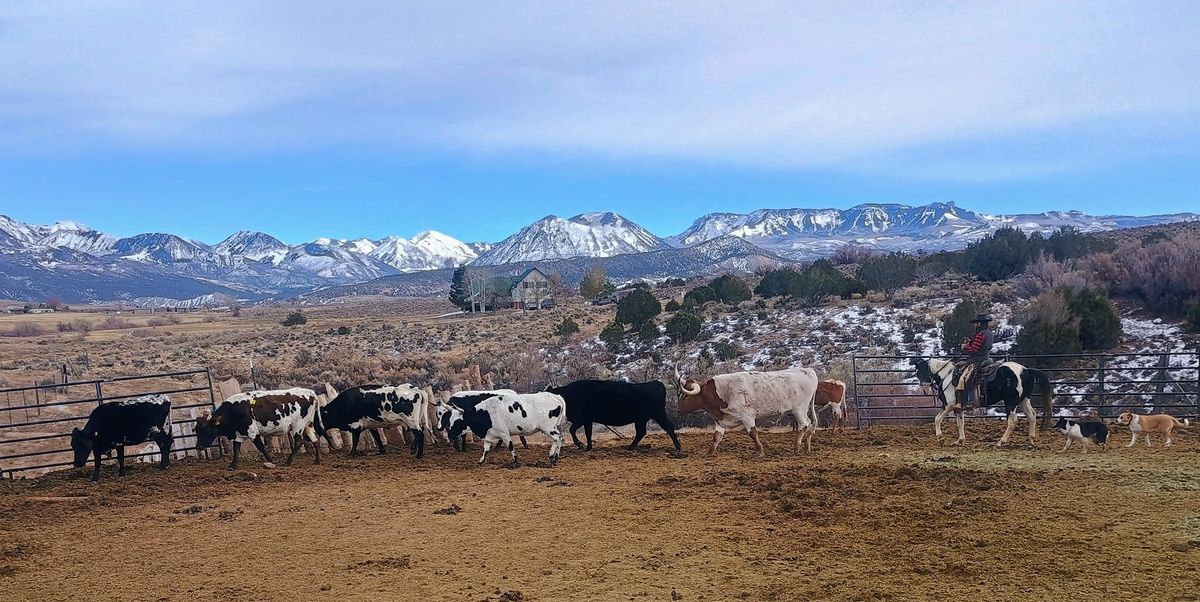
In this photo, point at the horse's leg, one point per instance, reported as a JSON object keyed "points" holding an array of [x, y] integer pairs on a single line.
{"points": [[937, 423], [961, 417], [1012, 423], [1027, 408]]}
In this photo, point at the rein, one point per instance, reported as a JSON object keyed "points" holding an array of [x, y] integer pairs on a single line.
{"points": [[945, 386]]}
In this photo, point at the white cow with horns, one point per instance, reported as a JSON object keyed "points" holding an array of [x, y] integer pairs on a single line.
{"points": [[739, 399]]}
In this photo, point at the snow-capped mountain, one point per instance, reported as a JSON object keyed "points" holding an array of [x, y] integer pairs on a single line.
{"points": [[72, 235], [255, 246], [602, 234], [428, 250], [158, 247], [810, 233]]}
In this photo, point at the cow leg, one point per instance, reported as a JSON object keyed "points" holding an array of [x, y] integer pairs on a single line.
{"points": [[120, 460], [164, 442], [524, 443], [1027, 409], [665, 424], [575, 438], [262, 449], [718, 432], [461, 443], [639, 431], [587, 432], [237, 449], [296, 442], [487, 447], [419, 443], [96, 465], [758, 446], [354, 435], [1012, 423], [379, 441], [556, 442]]}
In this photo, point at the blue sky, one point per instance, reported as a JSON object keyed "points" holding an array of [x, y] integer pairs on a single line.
{"points": [[478, 118]]}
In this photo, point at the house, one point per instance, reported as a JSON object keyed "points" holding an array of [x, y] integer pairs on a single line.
{"points": [[530, 290], [41, 310]]}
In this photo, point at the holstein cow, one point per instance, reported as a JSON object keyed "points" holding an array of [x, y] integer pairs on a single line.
{"points": [[743, 397], [616, 403], [832, 394], [372, 407], [291, 412], [498, 418], [116, 424], [467, 400]]}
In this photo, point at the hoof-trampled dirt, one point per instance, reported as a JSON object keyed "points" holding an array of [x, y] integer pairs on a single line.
{"points": [[884, 514]]}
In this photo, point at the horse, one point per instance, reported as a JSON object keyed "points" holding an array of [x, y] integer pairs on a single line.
{"points": [[1013, 384]]}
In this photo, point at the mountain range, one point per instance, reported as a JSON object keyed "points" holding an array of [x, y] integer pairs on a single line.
{"points": [[79, 264]]}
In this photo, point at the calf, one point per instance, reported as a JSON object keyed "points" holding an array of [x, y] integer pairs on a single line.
{"points": [[466, 400], [500, 417], [372, 407], [116, 424], [831, 394], [616, 403], [291, 412], [739, 399]]}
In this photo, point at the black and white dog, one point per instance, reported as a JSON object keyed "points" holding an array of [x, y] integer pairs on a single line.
{"points": [[1088, 432]]}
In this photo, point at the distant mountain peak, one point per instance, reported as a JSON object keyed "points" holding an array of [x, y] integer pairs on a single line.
{"points": [[599, 234]]}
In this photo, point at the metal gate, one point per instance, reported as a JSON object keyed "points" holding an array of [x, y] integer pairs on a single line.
{"points": [[885, 389], [36, 421]]}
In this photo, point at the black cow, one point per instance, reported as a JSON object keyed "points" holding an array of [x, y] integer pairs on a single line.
{"points": [[371, 407], [116, 424], [616, 403]]}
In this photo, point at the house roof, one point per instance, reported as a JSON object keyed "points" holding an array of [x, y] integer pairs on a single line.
{"points": [[516, 279]]}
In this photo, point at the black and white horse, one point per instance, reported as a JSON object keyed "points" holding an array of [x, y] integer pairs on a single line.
{"points": [[1013, 384]]}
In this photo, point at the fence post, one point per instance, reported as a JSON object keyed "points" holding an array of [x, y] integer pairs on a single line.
{"points": [[1162, 375], [858, 417], [99, 394], [1105, 411]]}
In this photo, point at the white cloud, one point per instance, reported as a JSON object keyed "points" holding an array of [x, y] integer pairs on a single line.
{"points": [[760, 84]]}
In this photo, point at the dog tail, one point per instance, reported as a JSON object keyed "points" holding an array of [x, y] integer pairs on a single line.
{"points": [[1182, 423]]}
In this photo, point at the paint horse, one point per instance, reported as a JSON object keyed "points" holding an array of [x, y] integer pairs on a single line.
{"points": [[1012, 384]]}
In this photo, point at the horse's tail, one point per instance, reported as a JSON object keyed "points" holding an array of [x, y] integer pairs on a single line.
{"points": [[1046, 391]]}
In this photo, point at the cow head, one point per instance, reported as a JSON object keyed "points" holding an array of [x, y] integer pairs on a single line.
{"points": [[82, 444], [690, 398], [451, 420], [207, 430]]}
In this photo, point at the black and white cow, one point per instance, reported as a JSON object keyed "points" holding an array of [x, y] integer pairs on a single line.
{"points": [[115, 424], [251, 416], [498, 418], [467, 400], [616, 403], [372, 407]]}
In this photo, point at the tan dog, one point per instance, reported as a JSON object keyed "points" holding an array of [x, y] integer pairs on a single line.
{"points": [[1145, 425]]}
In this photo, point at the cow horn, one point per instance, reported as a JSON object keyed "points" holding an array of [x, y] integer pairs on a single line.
{"points": [[694, 389]]}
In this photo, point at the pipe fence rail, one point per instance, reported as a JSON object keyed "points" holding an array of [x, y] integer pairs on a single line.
{"points": [[36, 420], [886, 391]]}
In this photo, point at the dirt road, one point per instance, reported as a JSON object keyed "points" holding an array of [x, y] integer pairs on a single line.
{"points": [[878, 515]]}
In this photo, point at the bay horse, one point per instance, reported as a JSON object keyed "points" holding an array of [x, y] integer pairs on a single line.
{"points": [[1013, 384]]}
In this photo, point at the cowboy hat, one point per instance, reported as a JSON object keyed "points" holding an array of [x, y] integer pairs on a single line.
{"points": [[981, 318]]}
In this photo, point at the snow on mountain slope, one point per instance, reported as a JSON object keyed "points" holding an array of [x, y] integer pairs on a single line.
{"points": [[811, 233], [158, 247], [602, 234], [428, 250], [255, 246], [73, 235]]}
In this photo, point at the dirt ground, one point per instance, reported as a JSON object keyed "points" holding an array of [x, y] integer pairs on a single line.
{"points": [[883, 514]]}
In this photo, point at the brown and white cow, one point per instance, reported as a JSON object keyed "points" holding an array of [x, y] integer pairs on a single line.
{"points": [[291, 412], [741, 398], [832, 394]]}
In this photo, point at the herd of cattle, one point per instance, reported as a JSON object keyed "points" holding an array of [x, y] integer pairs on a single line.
{"points": [[731, 400]]}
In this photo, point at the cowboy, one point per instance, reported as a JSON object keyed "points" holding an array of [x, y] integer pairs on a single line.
{"points": [[977, 348]]}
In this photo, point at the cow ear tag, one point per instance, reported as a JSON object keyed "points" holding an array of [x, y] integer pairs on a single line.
{"points": [[251, 401]]}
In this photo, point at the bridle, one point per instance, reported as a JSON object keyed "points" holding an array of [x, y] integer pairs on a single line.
{"points": [[939, 376]]}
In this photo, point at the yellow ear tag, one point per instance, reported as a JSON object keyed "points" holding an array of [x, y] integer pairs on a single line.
{"points": [[251, 401]]}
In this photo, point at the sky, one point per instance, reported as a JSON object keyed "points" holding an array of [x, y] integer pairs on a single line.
{"points": [[368, 119]]}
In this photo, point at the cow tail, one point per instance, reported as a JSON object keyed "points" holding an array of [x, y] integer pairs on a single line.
{"points": [[318, 425], [1047, 394]]}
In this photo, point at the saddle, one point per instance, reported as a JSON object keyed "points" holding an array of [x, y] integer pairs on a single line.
{"points": [[977, 377]]}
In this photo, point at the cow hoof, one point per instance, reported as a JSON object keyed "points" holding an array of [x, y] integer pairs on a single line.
{"points": [[678, 454]]}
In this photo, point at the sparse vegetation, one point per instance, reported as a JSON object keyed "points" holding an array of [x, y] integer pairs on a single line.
{"points": [[595, 284], [730, 289], [684, 326], [1048, 326], [295, 318], [638, 307], [566, 328], [1099, 324], [699, 296]]}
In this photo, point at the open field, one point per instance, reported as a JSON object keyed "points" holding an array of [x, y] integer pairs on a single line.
{"points": [[883, 514]]}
